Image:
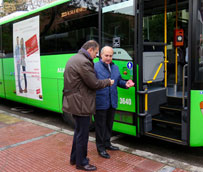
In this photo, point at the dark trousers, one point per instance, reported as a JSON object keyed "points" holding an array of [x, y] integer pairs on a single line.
{"points": [[80, 140], [103, 127]]}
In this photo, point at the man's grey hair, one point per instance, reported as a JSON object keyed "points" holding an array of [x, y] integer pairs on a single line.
{"points": [[90, 44], [102, 50]]}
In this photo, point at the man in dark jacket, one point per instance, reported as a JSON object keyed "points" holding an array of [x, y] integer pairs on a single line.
{"points": [[106, 101], [80, 85]]}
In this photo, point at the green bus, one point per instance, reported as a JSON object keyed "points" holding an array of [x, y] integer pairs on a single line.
{"points": [[157, 43]]}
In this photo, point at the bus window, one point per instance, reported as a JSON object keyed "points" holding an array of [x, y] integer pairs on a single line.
{"points": [[76, 23], [47, 31], [7, 39]]}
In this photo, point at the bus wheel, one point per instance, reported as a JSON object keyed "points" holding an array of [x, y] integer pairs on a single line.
{"points": [[92, 124], [68, 118], [92, 127]]}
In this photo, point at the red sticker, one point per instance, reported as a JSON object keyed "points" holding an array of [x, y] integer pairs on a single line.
{"points": [[37, 91], [31, 45]]}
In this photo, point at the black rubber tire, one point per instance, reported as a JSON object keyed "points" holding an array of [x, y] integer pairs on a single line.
{"points": [[92, 124], [68, 118]]}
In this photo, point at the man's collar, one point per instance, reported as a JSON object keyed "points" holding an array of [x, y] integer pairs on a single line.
{"points": [[105, 63], [85, 52]]}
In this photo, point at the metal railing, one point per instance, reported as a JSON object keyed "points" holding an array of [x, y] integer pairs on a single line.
{"points": [[184, 85]]}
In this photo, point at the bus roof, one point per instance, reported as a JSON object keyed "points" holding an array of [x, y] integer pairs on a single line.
{"points": [[15, 17], [12, 15]]}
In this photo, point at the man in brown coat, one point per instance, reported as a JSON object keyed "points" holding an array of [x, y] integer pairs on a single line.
{"points": [[80, 85]]}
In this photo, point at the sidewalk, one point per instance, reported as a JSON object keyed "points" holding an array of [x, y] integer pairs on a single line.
{"points": [[30, 146]]}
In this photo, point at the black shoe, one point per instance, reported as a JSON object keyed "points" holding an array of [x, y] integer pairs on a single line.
{"points": [[73, 162], [87, 167], [112, 147], [104, 154]]}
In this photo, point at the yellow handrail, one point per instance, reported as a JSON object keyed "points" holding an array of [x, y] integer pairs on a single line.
{"points": [[176, 49], [155, 75], [159, 68], [146, 101]]}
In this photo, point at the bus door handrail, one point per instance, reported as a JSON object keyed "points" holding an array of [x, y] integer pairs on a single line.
{"points": [[145, 92], [156, 73], [184, 78]]}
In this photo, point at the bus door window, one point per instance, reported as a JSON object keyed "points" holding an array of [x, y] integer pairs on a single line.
{"points": [[118, 25], [117, 31], [197, 55]]}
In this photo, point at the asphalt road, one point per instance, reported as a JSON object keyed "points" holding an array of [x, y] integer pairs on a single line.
{"points": [[192, 156]]}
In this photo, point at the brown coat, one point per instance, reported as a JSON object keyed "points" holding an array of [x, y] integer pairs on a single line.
{"points": [[80, 85]]}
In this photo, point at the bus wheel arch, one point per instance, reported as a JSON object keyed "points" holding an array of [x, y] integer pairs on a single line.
{"points": [[68, 118]]}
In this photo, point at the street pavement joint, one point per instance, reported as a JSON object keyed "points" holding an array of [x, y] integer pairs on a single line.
{"points": [[28, 141]]}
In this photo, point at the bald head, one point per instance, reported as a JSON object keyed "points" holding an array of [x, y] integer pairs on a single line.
{"points": [[107, 54]]}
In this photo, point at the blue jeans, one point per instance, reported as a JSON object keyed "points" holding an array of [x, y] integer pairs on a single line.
{"points": [[18, 75]]}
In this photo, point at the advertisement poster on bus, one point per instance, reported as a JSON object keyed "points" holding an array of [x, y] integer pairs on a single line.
{"points": [[27, 58]]}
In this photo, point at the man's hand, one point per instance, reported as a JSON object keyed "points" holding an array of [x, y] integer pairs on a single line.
{"points": [[129, 84], [112, 82]]}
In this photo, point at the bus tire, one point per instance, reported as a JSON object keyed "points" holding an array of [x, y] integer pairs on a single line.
{"points": [[92, 127], [68, 118]]}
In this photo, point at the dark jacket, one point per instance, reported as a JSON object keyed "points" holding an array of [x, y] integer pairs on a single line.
{"points": [[80, 85], [107, 97]]}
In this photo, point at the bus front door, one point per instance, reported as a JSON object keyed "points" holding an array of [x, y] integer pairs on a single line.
{"points": [[160, 95], [118, 31]]}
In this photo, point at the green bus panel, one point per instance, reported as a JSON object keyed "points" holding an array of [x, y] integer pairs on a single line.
{"points": [[52, 69], [53, 66], [2, 91], [125, 72], [10, 90], [9, 81], [124, 117], [60, 87], [124, 128], [196, 119], [126, 97], [50, 99]]}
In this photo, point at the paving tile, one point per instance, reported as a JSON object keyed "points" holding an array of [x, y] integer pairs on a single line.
{"points": [[47, 154], [21, 131], [8, 119], [2, 124], [150, 165], [52, 153], [139, 169]]}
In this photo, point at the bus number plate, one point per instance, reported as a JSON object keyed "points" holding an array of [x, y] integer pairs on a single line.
{"points": [[125, 101]]}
